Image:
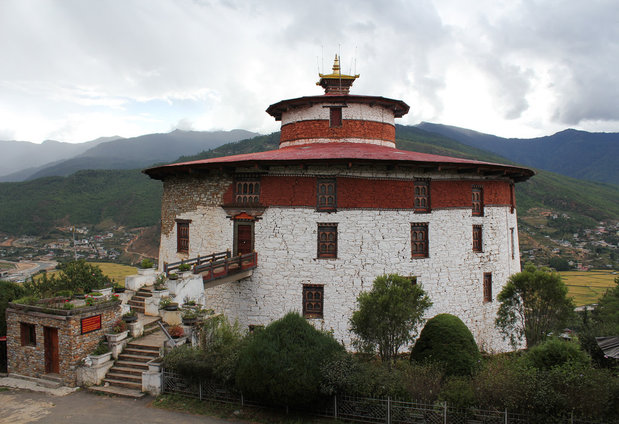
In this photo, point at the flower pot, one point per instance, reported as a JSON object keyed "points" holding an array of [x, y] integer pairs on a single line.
{"points": [[100, 359], [189, 321], [116, 337], [131, 318], [171, 307], [119, 289]]}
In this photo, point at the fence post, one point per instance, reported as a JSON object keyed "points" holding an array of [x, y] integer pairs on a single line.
{"points": [[388, 409], [200, 389], [445, 412], [242, 400], [335, 406]]}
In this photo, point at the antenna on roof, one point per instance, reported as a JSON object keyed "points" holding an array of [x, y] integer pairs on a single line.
{"points": [[317, 65]]}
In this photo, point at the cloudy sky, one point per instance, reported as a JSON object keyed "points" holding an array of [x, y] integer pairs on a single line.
{"points": [[77, 70]]}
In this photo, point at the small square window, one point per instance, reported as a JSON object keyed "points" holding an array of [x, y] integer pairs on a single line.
{"points": [[478, 201], [182, 236], [327, 199], [422, 195], [327, 241], [487, 287], [477, 239], [28, 334], [313, 297], [419, 240]]}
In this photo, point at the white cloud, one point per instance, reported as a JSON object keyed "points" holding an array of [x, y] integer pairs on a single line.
{"points": [[78, 70]]}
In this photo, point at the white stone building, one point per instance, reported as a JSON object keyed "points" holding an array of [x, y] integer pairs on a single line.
{"points": [[338, 205]]}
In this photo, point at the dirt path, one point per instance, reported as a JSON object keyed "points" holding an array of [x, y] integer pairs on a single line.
{"points": [[22, 406]]}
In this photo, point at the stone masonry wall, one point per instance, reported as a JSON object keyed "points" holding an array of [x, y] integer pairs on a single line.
{"points": [[72, 346], [371, 242]]}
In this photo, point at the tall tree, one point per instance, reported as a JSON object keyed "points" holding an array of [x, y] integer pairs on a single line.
{"points": [[388, 315], [533, 303]]}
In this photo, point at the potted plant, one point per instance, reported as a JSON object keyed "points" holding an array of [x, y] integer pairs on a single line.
{"points": [[173, 276], [118, 288], [190, 315], [184, 267], [101, 354], [167, 304], [146, 267], [119, 331], [146, 264], [176, 331], [160, 282], [79, 293], [131, 316]]}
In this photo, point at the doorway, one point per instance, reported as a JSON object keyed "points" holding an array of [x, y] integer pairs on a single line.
{"points": [[50, 341], [244, 238]]}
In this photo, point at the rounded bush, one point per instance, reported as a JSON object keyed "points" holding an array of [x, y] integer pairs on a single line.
{"points": [[446, 340], [281, 365], [555, 352]]}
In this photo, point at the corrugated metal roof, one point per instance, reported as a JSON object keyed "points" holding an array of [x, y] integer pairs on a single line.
{"points": [[337, 152]]}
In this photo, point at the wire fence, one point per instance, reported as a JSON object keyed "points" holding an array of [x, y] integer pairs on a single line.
{"points": [[368, 410]]}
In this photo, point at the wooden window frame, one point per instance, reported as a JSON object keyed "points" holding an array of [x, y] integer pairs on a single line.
{"points": [[421, 196], [182, 235], [28, 334], [487, 287], [420, 248], [478, 240], [326, 229], [477, 197], [316, 311], [247, 190], [335, 116], [322, 194]]}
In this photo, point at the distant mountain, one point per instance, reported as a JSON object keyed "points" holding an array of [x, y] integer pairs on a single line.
{"points": [[131, 153], [20, 156], [577, 154]]}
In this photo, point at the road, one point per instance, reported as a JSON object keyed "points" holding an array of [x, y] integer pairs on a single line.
{"points": [[82, 407]]}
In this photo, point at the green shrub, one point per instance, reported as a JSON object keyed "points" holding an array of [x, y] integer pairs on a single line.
{"points": [[9, 291], [222, 341], [554, 352], [190, 362], [422, 381], [101, 348], [506, 382], [64, 293], [458, 392], [446, 340], [281, 364], [27, 300], [146, 264]]}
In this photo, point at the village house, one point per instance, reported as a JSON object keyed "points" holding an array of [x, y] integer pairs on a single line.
{"points": [[317, 220]]}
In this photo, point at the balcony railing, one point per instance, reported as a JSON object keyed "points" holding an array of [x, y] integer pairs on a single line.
{"points": [[216, 265]]}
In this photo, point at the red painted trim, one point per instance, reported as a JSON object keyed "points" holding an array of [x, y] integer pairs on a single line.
{"points": [[351, 128]]}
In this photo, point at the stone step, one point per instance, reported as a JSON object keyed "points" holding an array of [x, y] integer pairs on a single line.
{"points": [[126, 371], [118, 391], [130, 378], [122, 383], [131, 364], [136, 302], [141, 296], [134, 358], [138, 309], [143, 348], [141, 352]]}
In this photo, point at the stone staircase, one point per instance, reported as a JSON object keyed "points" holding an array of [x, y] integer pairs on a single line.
{"points": [[137, 300], [131, 363]]}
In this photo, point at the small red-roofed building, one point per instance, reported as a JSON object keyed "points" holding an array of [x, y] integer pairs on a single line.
{"points": [[338, 205]]}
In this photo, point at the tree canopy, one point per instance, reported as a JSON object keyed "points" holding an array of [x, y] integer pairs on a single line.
{"points": [[533, 303], [388, 315]]}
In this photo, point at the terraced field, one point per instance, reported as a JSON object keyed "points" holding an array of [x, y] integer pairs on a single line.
{"points": [[116, 272], [587, 287]]}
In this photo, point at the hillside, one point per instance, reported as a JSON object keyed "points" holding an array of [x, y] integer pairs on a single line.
{"points": [[128, 197], [578, 154], [130, 153]]}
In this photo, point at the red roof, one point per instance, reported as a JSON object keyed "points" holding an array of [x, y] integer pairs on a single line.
{"points": [[341, 152]]}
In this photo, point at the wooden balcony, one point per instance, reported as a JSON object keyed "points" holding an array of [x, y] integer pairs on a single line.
{"points": [[218, 268]]}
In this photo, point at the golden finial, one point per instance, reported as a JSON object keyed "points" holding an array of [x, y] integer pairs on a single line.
{"points": [[336, 65]]}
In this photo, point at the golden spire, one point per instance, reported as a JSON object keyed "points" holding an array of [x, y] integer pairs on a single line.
{"points": [[336, 82]]}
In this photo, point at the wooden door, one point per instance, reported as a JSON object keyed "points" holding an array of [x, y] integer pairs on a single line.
{"points": [[52, 363], [244, 238]]}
